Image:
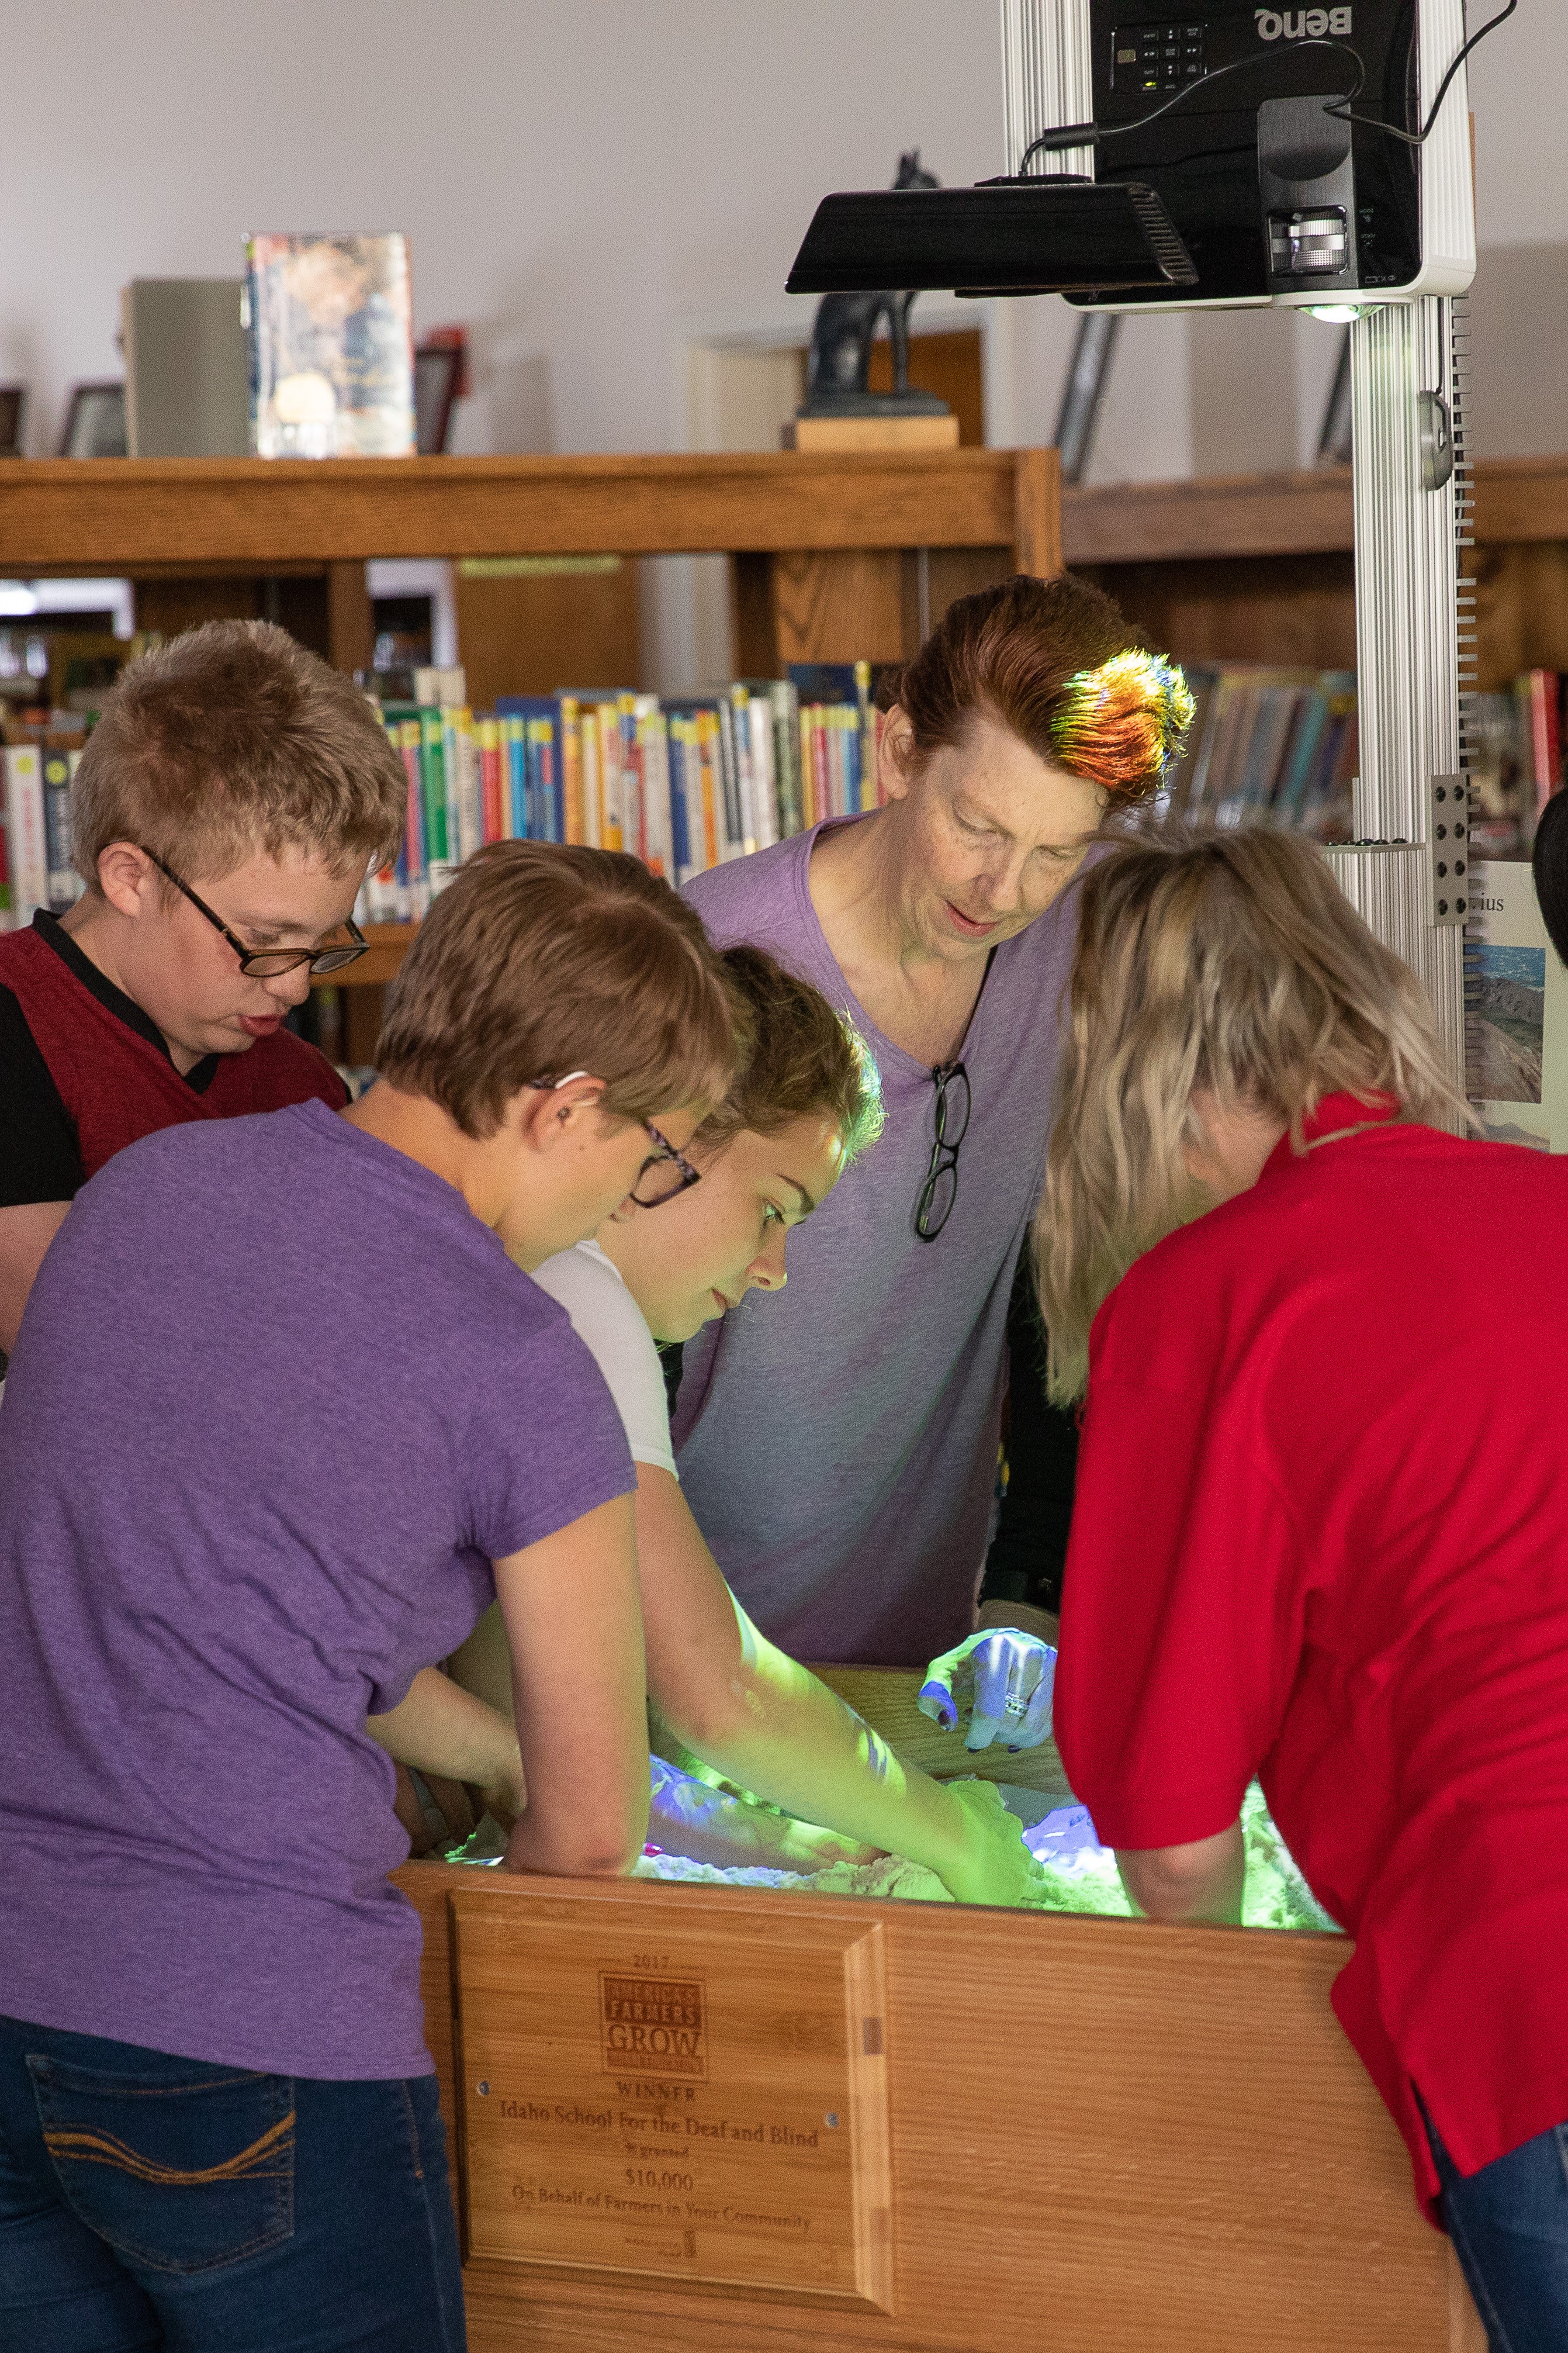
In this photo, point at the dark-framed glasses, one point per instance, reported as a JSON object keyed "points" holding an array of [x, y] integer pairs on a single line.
{"points": [[269, 964], [665, 1172], [937, 1195]]}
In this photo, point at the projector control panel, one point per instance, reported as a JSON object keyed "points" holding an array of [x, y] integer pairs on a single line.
{"points": [[1157, 56]]}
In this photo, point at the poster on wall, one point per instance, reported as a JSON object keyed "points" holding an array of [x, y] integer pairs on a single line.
{"points": [[1516, 1013]]}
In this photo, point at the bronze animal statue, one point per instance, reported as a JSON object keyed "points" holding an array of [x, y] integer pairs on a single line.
{"points": [[842, 334]]}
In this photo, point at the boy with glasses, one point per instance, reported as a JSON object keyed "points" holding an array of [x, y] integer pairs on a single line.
{"points": [[224, 814]]}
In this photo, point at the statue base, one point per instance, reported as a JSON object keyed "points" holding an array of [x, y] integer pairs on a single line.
{"points": [[856, 430], [874, 404]]}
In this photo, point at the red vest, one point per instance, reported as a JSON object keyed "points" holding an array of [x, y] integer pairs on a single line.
{"points": [[117, 1087]]}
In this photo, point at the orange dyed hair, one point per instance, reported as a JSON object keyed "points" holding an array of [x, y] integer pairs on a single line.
{"points": [[1056, 663]]}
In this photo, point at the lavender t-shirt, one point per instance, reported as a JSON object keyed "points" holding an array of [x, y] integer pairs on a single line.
{"points": [[838, 1441], [278, 1401]]}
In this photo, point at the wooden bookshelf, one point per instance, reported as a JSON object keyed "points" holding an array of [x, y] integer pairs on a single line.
{"points": [[827, 549], [1258, 567], [833, 558]]}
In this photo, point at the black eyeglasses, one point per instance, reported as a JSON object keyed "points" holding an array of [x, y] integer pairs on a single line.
{"points": [[940, 1191], [665, 1172], [269, 964]]}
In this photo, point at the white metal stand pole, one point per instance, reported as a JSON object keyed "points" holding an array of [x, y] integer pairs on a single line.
{"points": [[1411, 494]]}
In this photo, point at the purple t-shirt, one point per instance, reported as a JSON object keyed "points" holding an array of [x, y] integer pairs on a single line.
{"points": [[278, 1401], [838, 1441]]}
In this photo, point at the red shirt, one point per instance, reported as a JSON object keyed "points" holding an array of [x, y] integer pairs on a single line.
{"points": [[1321, 1536], [112, 1070]]}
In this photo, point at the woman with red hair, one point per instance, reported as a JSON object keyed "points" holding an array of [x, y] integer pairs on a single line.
{"points": [[840, 1450]]}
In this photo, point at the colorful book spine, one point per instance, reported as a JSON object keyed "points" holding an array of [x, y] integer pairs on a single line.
{"points": [[866, 739], [593, 776], [492, 797], [608, 716], [470, 774], [545, 778], [653, 766], [679, 731], [413, 896], [760, 721], [514, 774], [786, 706], [64, 884], [746, 797], [29, 860], [822, 778], [712, 787], [633, 831], [570, 760], [438, 860]]}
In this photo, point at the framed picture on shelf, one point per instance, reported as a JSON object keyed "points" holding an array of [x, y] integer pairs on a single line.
{"points": [[95, 422], [13, 415]]}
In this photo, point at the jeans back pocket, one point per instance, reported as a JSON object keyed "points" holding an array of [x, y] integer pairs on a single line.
{"points": [[179, 2170]]}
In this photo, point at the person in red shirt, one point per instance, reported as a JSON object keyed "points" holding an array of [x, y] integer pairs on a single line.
{"points": [[1320, 1531], [223, 815]]}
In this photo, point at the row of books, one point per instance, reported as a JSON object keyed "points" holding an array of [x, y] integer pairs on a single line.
{"points": [[1513, 744], [1268, 744], [35, 868], [684, 783], [1281, 745]]}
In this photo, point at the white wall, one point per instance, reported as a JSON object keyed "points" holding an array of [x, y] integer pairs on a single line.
{"points": [[591, 185]]}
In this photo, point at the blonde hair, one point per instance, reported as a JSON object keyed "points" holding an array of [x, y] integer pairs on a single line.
{"points": [[231, 739], [1230, 964], [539, 959]]}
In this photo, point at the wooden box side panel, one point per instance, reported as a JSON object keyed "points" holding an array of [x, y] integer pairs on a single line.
{"points": [[1160, 2134], [1103, 2134]]}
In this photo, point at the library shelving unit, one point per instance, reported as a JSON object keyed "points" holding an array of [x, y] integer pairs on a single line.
{"points": [[1258, 567], [833, 558]]}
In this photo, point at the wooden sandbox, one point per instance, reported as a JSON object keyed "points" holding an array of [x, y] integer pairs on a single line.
{"points": [[695, 2119]]}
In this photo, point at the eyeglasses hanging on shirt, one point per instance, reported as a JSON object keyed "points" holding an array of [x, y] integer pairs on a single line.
{"points": [[940, 1191]]}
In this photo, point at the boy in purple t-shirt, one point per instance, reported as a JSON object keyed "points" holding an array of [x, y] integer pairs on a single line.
{"points": [[284, 1414]]}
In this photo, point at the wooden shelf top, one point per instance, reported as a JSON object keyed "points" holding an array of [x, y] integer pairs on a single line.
{"points": [[101, 513], [1286, 515], [1240, 514]]}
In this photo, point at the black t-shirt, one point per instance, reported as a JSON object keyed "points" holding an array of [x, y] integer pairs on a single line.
{"points": [[40, 1159], [1028, 1551]]}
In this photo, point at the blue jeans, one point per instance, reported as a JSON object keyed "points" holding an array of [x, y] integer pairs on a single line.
{"points": [[1509, 2224], [149, 2202]]}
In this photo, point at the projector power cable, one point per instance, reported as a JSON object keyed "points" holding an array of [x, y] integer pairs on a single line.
{"points": [[1091, 134], [1419, 138]]}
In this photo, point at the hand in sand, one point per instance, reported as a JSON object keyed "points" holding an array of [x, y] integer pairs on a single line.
{"points": [[688, 1816], [993, 1865]]}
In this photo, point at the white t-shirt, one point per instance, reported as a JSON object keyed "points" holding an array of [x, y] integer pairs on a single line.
{"points": [[610, 1324]]}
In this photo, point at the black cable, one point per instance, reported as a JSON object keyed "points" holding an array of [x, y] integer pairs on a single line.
{"points": [[1419, 138], [1090, 134]]}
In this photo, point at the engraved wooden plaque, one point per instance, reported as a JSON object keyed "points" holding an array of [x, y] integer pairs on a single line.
{"points": [[647, 2091]]}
